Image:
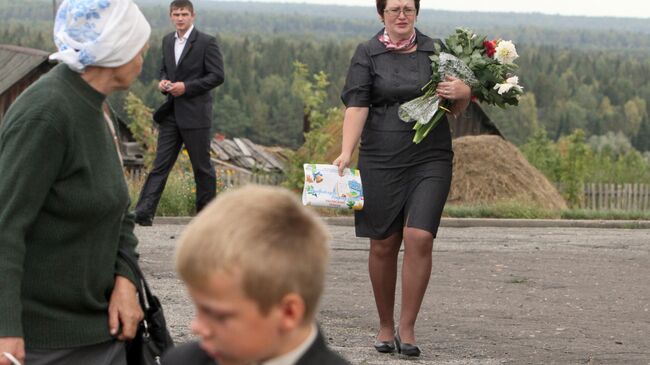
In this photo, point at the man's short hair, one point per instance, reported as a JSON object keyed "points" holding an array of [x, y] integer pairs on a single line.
{"points": [[181, 4], [263, 234]]}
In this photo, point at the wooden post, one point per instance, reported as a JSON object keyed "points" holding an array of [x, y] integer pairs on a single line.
{"points": [[628, 187], [600, 196]]}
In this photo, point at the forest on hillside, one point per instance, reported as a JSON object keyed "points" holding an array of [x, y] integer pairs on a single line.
{"points": [[591, 74]]}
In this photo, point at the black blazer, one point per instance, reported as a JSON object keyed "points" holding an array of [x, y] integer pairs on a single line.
{"points": [[201, 69], [192, 354]]}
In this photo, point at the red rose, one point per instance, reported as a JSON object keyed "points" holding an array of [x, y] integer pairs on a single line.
{"points": [[490, 47]]}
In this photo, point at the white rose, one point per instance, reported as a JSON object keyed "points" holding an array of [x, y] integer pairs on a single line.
{"points": [[506, 52], [511, 82]]}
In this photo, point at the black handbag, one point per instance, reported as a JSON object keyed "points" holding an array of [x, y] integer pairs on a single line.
{"points": [[152, 337]]}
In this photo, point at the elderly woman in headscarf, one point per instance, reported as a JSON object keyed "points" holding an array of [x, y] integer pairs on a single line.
{"points": [[65, 295]]}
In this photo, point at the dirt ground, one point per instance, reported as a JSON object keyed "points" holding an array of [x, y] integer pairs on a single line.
{"points": [[497, 296]]}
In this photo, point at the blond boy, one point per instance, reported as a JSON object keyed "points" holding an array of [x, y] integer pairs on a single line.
{"points": [[254, 264]]}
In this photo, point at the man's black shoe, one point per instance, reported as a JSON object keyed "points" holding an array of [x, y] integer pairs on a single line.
{"points": [[143, 221]]}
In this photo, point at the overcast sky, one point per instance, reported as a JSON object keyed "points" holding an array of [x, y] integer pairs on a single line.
{"points": [[618, 8]]}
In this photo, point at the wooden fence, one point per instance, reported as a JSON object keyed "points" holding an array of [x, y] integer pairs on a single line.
{"points": [[626, 197]]}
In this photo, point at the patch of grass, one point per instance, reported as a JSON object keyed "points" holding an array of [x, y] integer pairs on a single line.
{"points": [[605, 214], [333, 212], [177, 199], [510, 209], [517, 210]]}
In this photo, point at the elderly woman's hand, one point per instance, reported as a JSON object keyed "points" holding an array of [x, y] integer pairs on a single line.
{"points": [[124, 309], [14, 346]]}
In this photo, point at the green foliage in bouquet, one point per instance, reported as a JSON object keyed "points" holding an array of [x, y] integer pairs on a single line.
{"points": [[486, 66]]}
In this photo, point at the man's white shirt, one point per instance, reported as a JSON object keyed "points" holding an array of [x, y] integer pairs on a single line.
{"points": [[179, 45]]}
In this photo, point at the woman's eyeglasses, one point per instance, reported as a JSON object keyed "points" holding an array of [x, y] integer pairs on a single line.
{"points": [[395, 12]]}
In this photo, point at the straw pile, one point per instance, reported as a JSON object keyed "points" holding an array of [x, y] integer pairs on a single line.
{"points": [[488, 169]]}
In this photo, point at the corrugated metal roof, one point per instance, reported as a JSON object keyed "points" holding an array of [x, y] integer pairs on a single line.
{"points": [[16, 62]]}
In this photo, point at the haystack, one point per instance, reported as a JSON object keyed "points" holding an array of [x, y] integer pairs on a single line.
{"points": [[488, 169]]}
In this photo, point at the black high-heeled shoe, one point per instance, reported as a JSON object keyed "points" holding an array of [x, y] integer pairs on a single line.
{"points": [[385, 347], [406, 349]]}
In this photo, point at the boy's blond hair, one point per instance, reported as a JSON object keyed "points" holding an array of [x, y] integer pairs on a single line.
{"points": [[264, 234]]}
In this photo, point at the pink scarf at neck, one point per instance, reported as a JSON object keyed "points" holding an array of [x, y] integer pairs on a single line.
{"points": [[403, 45]]}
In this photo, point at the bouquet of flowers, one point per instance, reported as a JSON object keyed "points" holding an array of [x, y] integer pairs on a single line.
{"points": [[485, 65]]}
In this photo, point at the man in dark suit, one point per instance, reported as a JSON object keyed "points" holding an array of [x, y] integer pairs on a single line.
{"points": [[192, 66]]}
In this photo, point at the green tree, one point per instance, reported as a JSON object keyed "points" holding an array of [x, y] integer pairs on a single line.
{"points": [[634, 111], [642, 140], [317, 140], [142, 128], [574, 154], [517, 124], [541, 152]]}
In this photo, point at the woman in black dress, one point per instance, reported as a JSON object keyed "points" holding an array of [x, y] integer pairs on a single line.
{"points": [[405, 184]]}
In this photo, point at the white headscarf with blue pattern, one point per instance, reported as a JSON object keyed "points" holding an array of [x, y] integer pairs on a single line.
{"points": [[106, 33]]}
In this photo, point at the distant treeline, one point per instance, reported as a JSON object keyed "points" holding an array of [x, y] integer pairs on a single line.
{"points": [[588, 73]]}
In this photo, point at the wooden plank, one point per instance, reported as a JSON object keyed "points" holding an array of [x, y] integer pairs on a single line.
{"points": [[641, 196], [242, 147], [229, 166], [243, 161], [231, 148], [628, 188], [220, 152], [264, 156], [275, 162], [261, 161], [252, 159]]}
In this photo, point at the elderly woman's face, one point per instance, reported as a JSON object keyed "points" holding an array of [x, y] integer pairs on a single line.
{"points": [[399, 18], [127, 73]]}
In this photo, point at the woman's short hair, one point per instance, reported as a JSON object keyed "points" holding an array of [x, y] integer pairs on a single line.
{"points": [[381, 6]]}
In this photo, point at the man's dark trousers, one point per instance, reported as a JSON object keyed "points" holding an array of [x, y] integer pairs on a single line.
{"points": [[170, 140]]}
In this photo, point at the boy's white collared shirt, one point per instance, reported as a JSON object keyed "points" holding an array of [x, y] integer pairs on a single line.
{"points": [[179, 44], [292, 357]]}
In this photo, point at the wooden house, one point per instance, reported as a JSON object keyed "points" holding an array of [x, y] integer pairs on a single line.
{"points": [[19, 68]]}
